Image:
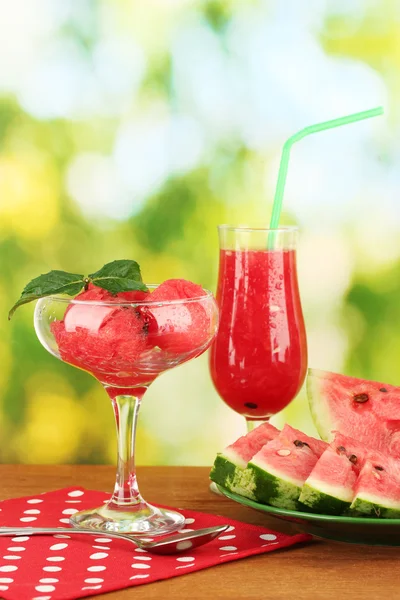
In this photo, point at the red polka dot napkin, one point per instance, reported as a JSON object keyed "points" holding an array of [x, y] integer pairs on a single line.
{"points": [[63, 567]]}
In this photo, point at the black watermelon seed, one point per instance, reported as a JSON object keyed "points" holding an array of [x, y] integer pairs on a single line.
{"points": [[383, 390], [251, 405], [361, 398], [341, 449], [353, 459], [300, 444], [379, 468]]}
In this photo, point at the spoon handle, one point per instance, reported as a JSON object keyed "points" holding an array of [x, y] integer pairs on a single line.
{"points": [[7, 531]]}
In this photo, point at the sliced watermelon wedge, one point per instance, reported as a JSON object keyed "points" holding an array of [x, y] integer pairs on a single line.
{"points": [[281, 467], [367, 411], [330, 486], [377, 491], [229, 469]]}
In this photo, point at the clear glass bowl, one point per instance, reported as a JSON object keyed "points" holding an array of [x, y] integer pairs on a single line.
{"points": [[126, 345]]}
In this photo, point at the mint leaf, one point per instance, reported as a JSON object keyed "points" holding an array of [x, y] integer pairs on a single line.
{"points": [[114, 285], [125, 269], [54, 282], [116, 276], [119, 276]]}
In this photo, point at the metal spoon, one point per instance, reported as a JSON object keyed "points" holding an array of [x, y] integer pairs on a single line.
{"points": [[170, 545]]}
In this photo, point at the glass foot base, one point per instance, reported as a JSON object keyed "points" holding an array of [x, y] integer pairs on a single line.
{"points": [[141, 519]]}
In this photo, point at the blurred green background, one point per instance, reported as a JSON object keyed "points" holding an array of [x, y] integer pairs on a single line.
{"points": [[131, 129]]}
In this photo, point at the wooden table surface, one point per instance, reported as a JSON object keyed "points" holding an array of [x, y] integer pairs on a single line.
{"points": [[318, 570]]}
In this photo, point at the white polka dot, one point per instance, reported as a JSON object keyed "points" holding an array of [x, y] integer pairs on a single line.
{"points": [[73, 501], [42, 598], [96, 569], [75, 493], [143, 558], [185, 566], [185, 559], [55, 558], [226, 537], [140, 566], [6, 580], [98, 555], [34, 501], [101, 547], [94, 580], [58, 546], [92, 587], [103, 540], [228, 548], [70, 511], [28, 519], [52, 569], [189, 521], [139, 576], [185, 545], [20, 538], [64, 521], [140, 550], [45, 588], [268, 536], [12, 557], [32, 511], [16, 548], [8, 568], [48, 580], [230, 528], [3, 588]]}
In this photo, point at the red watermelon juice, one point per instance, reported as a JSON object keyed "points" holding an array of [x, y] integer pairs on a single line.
{"points": [[259, 358]]}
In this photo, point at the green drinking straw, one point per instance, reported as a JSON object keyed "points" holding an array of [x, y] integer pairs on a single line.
{"points": [[283, 167]]}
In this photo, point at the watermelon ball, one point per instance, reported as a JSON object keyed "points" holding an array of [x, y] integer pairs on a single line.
{"points": [[105, 340], [132, 296], [177, 328]]}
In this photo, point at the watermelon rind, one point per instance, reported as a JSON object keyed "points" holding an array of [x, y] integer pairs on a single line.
{"points": [[319, 407], [230, 475], [273, 489], [323, 503], [368, 505]]}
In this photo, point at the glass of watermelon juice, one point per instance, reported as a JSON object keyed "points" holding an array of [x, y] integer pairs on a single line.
{"points": [[126, 342], [258, 360]]}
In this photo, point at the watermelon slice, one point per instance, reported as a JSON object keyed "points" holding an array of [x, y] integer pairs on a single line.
{"points": [[344, 479], [377, 491], [367, 411], [330, 486], [281, 467], [229, 469]]}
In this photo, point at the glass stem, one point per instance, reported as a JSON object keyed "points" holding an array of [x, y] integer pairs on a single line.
{"points": [[126, 409], [252, 424]]}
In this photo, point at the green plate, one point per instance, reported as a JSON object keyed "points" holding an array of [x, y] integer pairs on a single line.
{"points": [[354, 530]]}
